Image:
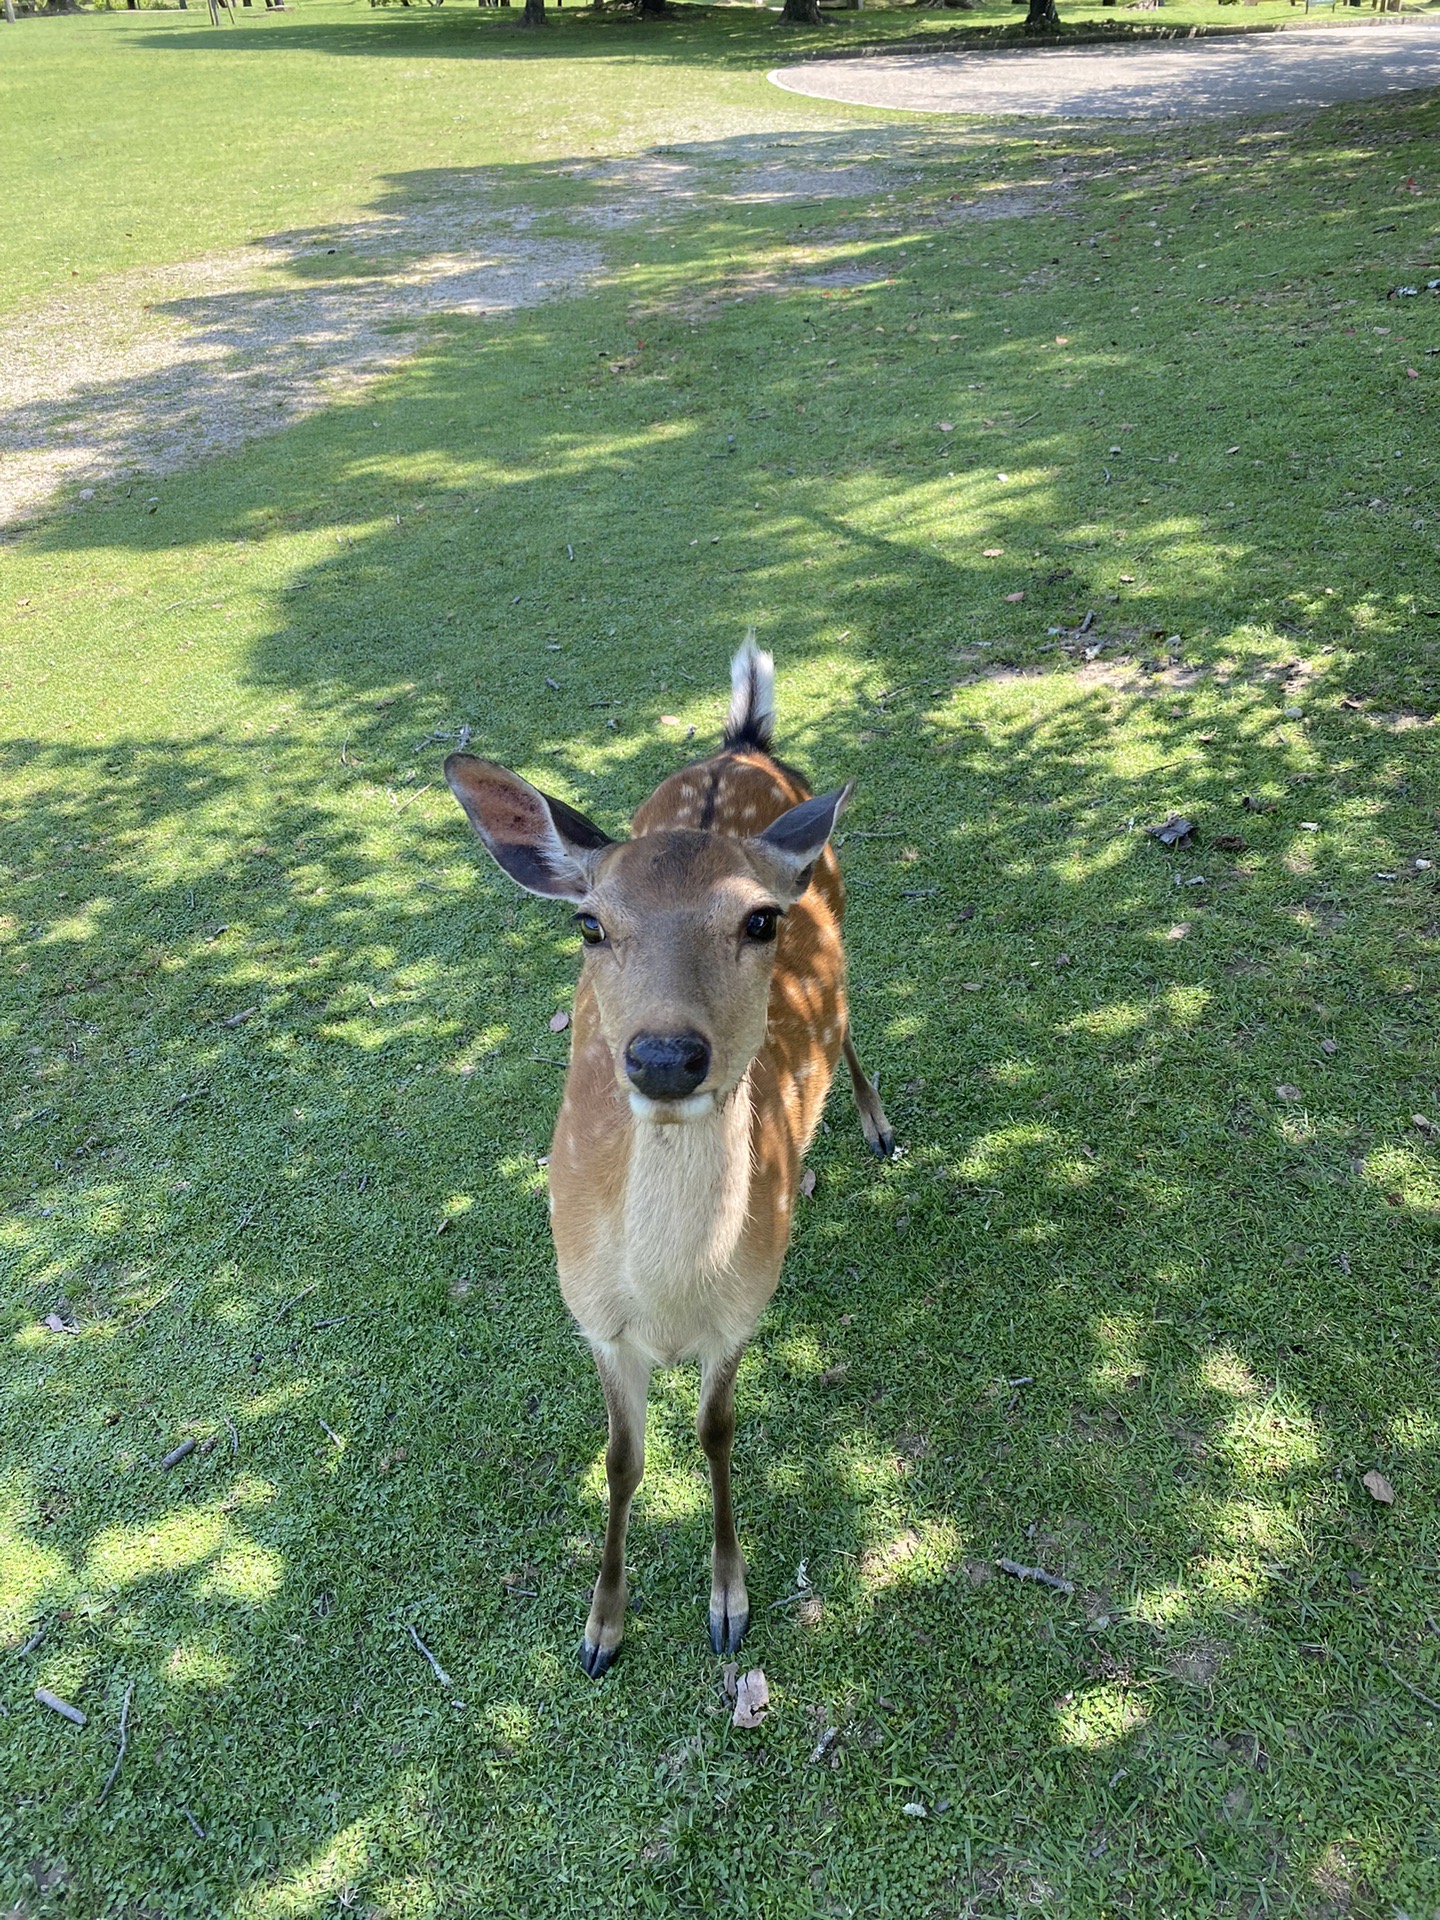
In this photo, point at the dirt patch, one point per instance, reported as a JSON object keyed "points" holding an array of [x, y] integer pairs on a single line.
{"points": [[148, 372], [1199, 1664]]}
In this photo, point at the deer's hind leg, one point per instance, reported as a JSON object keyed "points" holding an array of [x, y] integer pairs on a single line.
{"points": [[625, 1376], [878, 1135], [715, 1429]]}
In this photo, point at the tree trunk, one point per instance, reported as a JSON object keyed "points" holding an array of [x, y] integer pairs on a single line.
{"points": [[534, 15], [653, 10], [1042, 17], [802, 13], [10, 11]]}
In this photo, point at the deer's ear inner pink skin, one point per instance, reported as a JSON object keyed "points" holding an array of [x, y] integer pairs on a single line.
{"points": [[544, 845]]}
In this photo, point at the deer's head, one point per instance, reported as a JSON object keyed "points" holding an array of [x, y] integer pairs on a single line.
{"points": [[680, 927]]}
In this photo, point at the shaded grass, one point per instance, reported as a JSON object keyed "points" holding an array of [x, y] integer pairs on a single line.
{"points": [[1123, 1308]]}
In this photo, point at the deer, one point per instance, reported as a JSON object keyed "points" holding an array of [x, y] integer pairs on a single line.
{"points": [[708, 1021]]}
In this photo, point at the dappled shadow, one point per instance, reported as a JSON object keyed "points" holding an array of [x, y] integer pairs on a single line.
{"points": [[1149, 1289]]}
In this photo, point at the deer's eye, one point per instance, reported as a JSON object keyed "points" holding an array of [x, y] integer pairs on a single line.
{"points": [[591, 931], [761, 924]]}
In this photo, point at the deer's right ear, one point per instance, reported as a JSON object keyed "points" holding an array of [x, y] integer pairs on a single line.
{"points": [[541, 843]]}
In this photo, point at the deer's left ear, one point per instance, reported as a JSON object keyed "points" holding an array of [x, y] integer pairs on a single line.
{"points": [[544, 846], [797, 839]]}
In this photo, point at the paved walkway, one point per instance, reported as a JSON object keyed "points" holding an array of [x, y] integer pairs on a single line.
{"points": [[1175, 80]]}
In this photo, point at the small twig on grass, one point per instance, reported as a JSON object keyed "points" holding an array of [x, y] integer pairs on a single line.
{"points": [[1409, 1687], [545, 1060], [331, 1431], [30, 1645], [790, 1599], [114, 1771], [234, 1436], [177, 1454], [195, 1824], [304, 1294], [150, 1309], [1052, 1580], [440, 1674], [45, 1698]]}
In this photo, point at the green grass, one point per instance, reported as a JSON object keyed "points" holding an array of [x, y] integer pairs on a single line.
{"points": [[1122, 1308], [152, 138]]}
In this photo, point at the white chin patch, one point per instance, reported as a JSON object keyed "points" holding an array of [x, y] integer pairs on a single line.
{"points": [[695, 1106]]}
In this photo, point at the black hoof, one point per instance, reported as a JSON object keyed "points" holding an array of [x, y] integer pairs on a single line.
{"points": [[596, 1660], [882, 1146], [727, 1630]]}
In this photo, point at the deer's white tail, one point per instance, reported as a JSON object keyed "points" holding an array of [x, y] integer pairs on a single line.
{"points": [[752, 700]]}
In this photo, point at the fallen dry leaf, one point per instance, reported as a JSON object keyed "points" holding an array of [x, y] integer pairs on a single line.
{"points": [[559, 1022], [1013, 597], [1230, 842], [1176, 831], [1379, 1488], [947, 426], [730, 1678], [1286, 1092], [807, 1182], [1328, 1046], [56, 1325], [992, 553], [752, 1699]]}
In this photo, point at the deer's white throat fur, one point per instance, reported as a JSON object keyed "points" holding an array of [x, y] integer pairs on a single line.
{"points": [[687, 1196]]}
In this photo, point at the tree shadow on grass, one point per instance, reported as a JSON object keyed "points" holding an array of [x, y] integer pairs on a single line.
{"points": [[1148, 1292], [716, 37]]}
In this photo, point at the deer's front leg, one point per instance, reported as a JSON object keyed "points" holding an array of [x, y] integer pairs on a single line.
{"points": [[715, 1427], [625, 1376]]}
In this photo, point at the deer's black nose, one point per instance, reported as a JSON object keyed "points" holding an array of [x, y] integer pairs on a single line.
{"points": [[666, 1066]]}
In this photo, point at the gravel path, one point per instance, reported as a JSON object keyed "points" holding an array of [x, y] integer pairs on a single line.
{"points": [[1176, 80]]}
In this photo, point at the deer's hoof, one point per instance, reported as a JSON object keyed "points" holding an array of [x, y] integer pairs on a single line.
{"points": [[596, 1659], [882, 1145], [727, 1629]]}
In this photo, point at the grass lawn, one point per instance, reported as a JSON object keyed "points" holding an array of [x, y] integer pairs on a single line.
{"points": [[1152, 1287]]}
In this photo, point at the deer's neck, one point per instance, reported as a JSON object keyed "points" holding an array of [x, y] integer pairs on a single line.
{"points": [[687, 1197]]}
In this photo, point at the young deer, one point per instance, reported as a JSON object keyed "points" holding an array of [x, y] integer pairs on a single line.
{"points": [[709, 1017]]}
